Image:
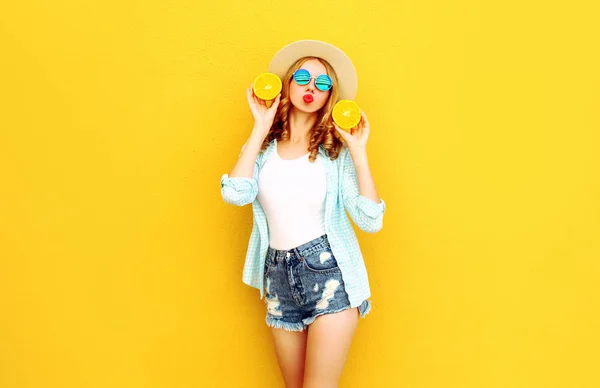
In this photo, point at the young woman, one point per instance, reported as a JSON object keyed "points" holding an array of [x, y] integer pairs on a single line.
{"points": [[301, 173]]}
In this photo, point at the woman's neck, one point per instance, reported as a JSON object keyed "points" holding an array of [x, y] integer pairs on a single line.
{"points": [[301, 125]]}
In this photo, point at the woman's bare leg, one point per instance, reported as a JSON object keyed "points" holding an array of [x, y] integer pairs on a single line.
{"points": [[328, 344], [290, 348]]}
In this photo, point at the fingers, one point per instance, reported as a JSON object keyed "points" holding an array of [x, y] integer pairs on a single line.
{"points": [[363, 124], [251, 102], [251, 95], [364, 116], [256, 99], [256, 104], [276, 102], [359, 127]]}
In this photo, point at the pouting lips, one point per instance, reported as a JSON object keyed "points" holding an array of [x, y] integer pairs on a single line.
{"points": [[308, 98]]}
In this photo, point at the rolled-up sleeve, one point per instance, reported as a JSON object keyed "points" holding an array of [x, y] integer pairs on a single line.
{"points": [[239, 191], [366, 213]]}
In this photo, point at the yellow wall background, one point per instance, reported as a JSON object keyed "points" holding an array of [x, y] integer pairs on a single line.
{"points": [[121, 265]]}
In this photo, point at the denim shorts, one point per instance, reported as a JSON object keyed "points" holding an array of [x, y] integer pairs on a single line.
{"points": [[303, 283]]}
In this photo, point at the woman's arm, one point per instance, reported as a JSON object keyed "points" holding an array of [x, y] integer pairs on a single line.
{"points": [[366, 185], [240, 186], [359, 194], [358, 190], [244, 166]]}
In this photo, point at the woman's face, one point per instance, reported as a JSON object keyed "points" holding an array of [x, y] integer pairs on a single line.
{"points": [[298, 92]]}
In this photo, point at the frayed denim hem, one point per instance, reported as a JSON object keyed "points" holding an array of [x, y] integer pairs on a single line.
{"points": [[363, 309], [289, 326]]}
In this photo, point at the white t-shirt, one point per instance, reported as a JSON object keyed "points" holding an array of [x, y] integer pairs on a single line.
{"points": [[292, 194]]}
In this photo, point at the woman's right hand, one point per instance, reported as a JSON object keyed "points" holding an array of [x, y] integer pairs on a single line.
{"points": [[263, 116]]}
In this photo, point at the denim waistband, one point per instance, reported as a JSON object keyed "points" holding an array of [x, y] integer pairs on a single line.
{"points": [[307, 248]]}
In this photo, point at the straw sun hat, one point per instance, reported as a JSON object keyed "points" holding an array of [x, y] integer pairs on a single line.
{"points": [[341, 63]]}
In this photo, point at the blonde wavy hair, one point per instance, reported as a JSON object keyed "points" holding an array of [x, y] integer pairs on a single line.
{"points": [[323, 132]]}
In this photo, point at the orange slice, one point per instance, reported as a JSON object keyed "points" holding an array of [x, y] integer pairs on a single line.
{"points": [[346, 114], [267, 86]]}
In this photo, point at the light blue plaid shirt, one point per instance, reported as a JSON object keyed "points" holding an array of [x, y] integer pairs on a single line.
{"points": [[342, 195]]}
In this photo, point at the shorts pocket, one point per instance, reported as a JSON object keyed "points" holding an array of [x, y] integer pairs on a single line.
{"points": [[321, 261]]}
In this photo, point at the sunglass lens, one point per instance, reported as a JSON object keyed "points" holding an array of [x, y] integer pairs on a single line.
{"points": [[302, 76], [323, 82]]}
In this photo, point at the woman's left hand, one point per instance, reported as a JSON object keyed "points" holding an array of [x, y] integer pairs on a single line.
{"points": [[357, 138]]}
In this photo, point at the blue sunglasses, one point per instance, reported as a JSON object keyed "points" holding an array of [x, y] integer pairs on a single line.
{"points": [[322, 82]]}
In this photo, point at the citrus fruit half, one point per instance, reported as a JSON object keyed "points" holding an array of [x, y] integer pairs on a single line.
{"points": [[346, 114], [267, 86]]}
